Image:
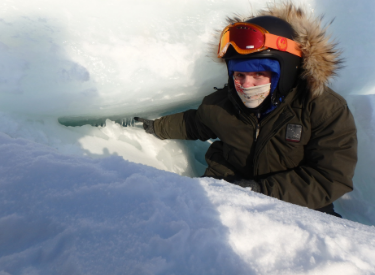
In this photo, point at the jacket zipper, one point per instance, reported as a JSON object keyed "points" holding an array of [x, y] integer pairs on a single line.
{"points": [[257, 129], [285, 119]]}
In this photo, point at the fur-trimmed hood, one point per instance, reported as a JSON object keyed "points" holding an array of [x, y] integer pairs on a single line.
{"points": [[321, 58]]}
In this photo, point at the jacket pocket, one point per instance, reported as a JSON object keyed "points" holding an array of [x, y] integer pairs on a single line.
{"points": [[226, 151], [280, 156], [294, 153]]}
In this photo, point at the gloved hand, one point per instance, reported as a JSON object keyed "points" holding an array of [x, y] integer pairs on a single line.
{"points": [[148, 125], [249, 183]]}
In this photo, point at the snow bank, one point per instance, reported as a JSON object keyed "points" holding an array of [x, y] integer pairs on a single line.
{"points": [[76, 215]]}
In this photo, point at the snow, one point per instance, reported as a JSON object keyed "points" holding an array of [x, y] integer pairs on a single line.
{"points": [[109, 216], [115, 200]]}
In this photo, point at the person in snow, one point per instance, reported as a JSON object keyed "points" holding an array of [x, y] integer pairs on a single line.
{"points": [[280, 129]]}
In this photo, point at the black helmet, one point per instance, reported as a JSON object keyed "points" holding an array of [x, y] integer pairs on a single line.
{"points": [[289, 63]]}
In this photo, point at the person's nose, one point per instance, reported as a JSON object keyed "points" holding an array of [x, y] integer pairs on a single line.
{"points": [[248, 82]]}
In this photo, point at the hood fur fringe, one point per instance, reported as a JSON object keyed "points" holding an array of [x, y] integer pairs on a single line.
{"points": [[321, 58]]}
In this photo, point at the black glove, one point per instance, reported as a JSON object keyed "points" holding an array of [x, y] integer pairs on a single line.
{"points": [[249, 183], [148, 125]]}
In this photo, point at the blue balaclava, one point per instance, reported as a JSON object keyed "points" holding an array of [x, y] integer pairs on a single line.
{"points": [[257, 65]]}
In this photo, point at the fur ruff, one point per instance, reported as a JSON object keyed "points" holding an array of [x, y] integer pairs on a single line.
{"points": [[321, 58]]}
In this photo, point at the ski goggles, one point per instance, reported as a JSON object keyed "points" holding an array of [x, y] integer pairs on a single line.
{"points": [[248, 38]]}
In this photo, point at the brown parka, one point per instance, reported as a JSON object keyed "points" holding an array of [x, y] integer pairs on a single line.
{"points": [[303, 152]]}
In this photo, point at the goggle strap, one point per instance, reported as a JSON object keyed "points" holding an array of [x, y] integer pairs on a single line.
{"points": [[282, 44]]}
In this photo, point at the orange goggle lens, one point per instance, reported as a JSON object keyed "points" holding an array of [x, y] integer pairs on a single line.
{"points": [[248, 38]]}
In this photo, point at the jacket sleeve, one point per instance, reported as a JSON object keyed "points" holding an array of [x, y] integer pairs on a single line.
{"points": [[185, 125], [328, 167]]}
